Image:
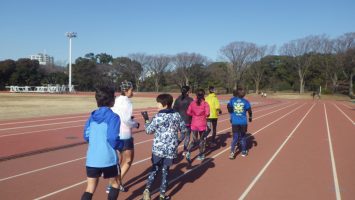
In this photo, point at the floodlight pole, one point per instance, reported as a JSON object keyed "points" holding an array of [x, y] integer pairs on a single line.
{"points": [[70, 35]]}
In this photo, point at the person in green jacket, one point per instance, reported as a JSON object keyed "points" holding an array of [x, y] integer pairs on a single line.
{"points": [[215, 110]]}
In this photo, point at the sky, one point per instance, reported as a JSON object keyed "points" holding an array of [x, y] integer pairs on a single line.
{"points": [[121, 27]]}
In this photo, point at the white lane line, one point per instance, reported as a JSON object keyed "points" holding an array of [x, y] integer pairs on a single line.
{"points": [[41, 169], [334, 169], [39, 125], [70, 161], [227, 148], [49, 124], [148, 158], [31, 132], [347, 106], [344, 114], [55, 165], [59, 118], [245, 193]]}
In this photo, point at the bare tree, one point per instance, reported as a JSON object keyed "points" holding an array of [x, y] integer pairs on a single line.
{"points": [[343, 44], [183, 63], [257, 69], [301, 51], [240, 56], [145, 61], [158, 65]]}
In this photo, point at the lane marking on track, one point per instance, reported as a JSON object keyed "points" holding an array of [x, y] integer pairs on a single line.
{"points": [[30, 132], [38, 131], [69, 117], [49, 124], [347, 106], [344, 114], [56, 165], [148, 158], [226, 149], [334, 169], [245, 193], [81, 158]]}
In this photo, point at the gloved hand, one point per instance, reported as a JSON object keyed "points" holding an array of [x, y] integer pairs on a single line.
{"points": [[138, 125], [250, 119], [145, 116], [220, 111]]}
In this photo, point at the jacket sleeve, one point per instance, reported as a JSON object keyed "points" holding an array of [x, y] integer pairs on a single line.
{"points": [[176, 104], [87, 130], [230, 107], [207, 109], [189, 110], [126, 117], [216, 104], [152, 126], [113, 132]]}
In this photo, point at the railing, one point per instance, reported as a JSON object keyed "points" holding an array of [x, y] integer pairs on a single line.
{"points": [[41, 89]]}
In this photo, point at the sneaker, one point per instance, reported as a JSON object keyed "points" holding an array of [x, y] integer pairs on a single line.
{"points": [[108, 189], [201, 157], [184, 153], [122, 189], [188, 157], [163, 197], [232, 156], [244, 153], [146, 194]]}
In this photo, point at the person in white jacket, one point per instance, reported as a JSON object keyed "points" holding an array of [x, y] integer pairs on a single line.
{"points": [[123, 107]]}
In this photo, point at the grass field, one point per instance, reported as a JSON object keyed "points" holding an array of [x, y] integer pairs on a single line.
{"points": [[17, 106], [20, 105]]}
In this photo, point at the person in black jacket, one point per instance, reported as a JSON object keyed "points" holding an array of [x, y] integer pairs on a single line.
{"points": [[180, 105]]}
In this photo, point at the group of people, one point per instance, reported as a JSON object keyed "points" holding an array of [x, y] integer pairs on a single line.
{"points": [[109, 130]]}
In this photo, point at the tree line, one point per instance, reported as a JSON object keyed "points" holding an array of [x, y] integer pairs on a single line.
{"points": [[301, 65]]}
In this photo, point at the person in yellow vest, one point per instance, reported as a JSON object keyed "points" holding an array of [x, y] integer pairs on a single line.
{"points": [[215, 110]]}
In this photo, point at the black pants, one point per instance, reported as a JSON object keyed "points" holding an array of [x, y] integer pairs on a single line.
{"points": [[212, 125]]}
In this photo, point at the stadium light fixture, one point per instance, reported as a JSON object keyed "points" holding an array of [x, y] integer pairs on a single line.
{"points": [[70, 35]]}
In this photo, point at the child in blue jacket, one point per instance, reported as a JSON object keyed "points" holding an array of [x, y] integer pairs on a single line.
{"points": [[238, 107], [102, 133]]}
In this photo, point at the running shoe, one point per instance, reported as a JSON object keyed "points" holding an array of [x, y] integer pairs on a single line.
{"points": [[232, 156], [146, 194], [188, 157], [122, 189], [244, 153], [184, 153], [201, 157], [108, 189], [163, 197]]}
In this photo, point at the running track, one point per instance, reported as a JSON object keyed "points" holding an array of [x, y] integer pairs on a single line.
{"points": [[300, 150]]}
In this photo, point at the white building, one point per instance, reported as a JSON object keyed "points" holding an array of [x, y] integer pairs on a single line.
{"points": [[43, 59]]}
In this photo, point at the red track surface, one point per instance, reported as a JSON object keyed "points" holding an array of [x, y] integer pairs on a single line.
{"points": [[304, 151]]}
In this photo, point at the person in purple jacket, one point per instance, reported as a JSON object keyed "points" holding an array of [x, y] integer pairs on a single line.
{"points": [[101, 131], [199, 110]]}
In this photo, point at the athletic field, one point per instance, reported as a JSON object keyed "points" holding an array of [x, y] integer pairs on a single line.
{"points": [[299, 149]]}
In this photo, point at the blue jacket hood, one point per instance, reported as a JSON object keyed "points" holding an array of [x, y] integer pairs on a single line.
{"points": [[102, 114]]}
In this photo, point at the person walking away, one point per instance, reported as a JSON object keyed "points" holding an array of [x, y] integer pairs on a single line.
{"points": [[237, 107], [101, 131], [199, 110], [181, 105], [123, 107], [165, 126], [215, 110]]}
